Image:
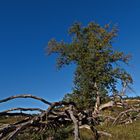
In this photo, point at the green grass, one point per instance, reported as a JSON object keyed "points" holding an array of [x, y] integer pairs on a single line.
{"points": [[119, 132], [122, 132]]}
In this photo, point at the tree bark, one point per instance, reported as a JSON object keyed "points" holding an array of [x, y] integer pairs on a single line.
{"points": [[76, 125], [97, 104]]}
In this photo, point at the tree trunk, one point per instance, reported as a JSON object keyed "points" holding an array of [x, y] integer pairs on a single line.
{"points": [[97, 104], [76, 124]]}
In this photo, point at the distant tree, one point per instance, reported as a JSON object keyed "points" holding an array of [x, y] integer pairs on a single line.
{"points": [[98, 65]]}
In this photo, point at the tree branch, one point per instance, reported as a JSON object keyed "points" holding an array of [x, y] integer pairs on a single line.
{"points": [[25, 96]]}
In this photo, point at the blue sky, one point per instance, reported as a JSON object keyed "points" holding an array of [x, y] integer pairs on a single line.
{"points": [[27, 25]]}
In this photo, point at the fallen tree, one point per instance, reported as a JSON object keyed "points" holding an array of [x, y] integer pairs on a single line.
{"points": [[59, 114], [52, 118]]}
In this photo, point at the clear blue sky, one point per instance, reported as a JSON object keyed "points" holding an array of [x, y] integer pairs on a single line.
{"points": [[27, 25]]}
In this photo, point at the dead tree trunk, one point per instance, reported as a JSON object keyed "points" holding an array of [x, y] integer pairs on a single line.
{"points": [[97, 104], [75, 121]]}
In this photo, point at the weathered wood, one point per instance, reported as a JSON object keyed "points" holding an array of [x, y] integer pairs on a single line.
{"points": [[75, 122], [22, 109], [54, 118], [125, 112], [25, 96], [60, 113]]}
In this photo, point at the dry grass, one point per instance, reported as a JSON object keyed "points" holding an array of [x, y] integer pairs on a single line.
{"points": [[123, 132]]}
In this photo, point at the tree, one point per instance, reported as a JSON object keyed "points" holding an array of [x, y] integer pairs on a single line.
{"points": [[98, 64]]}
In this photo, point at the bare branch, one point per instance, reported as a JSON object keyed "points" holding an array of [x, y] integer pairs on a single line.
{"points": [[25, 96], [13, 130], [22, 109], [106, 105], [104, 133], [125, 112]]}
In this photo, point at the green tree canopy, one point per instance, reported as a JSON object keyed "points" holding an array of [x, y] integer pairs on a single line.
{"points": [[97, 62]]}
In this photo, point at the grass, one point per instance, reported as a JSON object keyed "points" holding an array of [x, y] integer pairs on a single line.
{"points": [[122, 132], [9, 120], [119, 132]]}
